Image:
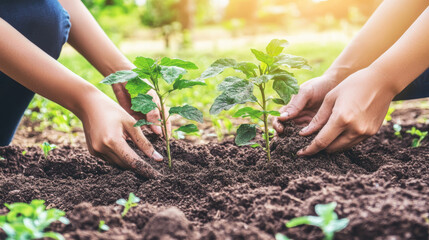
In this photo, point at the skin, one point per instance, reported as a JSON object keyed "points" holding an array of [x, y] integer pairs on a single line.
{"points": [[107, 125], [348, 103]]}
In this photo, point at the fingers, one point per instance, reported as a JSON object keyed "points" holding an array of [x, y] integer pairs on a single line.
{"points": [[142, 143], [124, 156], [320, 119], [277, 125], [295, 106], [325, 137], [154, 117], [344, 142]]}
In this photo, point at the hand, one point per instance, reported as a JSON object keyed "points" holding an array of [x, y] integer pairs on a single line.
{"points": [[350, 113], [124, 100], [306, 103], [106, 130]]}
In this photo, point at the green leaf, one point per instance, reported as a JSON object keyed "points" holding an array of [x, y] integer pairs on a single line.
{"points": [[133, 199], [280, 236], [324, 210], [231, 82], [276, 46], [178, 63], [142, 122], [279, 101], [53, 235], [248, 112], [218, 67], [263, 57], [285, 86], [144, 63], [274, 113], [292, 61], [261, 79], [306, 220], [238, 93], [190, 128], [245, 133], [188, 112], [248, 68], [121, 202], [171, 74], [137, 86], [120, 77], [182, 84], [143, 103], [336, 226]]}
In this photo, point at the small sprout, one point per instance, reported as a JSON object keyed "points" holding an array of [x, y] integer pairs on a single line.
{"points": [[46, 147], [280, 236], [271, 72], [29, 221], [146, 77], [24, 153], [2, 158], [397, 129], [128, 204], [388, 116], [102, 226], [327, 220], [421, 135]]}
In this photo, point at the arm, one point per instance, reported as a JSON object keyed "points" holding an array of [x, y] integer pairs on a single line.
{"points": [[87, 37], [355, 109], [391, 19], [31, 67]]}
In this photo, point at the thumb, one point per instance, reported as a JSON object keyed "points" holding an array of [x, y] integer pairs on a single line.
{"points": [[321, 117], [295, 106]]}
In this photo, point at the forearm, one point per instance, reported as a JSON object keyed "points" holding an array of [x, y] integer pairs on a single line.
{"points": [[87, 37], [383, 29], [407, 58], [31, 67]]}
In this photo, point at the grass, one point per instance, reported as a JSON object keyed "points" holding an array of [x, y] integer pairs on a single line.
{"points": [[320, 56]]}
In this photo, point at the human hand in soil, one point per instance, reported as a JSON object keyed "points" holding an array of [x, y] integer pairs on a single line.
{"points": [[153, 116], [106, 130], [306, 103], [350, 113]]}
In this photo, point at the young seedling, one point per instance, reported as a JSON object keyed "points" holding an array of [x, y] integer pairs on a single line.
{"points": [[102, 226], [128, 204], [327, 220], [29, 221], [421, 135], [24, 153], [172, 72], [240, 90], [2, 158], [397, 128], [46, 147]]}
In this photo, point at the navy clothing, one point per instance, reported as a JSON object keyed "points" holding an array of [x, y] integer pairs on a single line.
{"points": [[417, 89], [45, 23]]}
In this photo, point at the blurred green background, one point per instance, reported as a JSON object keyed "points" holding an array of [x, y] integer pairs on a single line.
{"points": [[205, 30]]}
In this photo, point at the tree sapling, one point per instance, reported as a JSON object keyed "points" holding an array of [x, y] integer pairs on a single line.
{"points": [[102, 226], [239, 90], [172, 72], [421, 135], [46, 147], [29, 221], [327, 220], [128, 204]]}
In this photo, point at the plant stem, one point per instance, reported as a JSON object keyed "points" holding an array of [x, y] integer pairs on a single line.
{"points": [[266, 132], [164, 126]]}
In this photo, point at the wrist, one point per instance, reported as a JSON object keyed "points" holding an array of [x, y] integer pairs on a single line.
{"points": [[83, 102], [337, 74], [385, 79]]}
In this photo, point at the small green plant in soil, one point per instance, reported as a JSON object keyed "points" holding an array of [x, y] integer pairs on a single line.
{"points": [[46, 147], [29, 221], [102, 226], [128, 204], [327, 220], [421, 135], [172, 71], [397, 128], [2, 158], [24, 153], [271, 71]]}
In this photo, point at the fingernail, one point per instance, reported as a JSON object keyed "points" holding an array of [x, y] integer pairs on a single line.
{"points": [[299, 153], [158, 130], [304, 130], [157, 156], [285, 115]]}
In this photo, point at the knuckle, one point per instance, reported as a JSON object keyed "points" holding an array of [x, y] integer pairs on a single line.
{"points": [[109, 141], [97, 148], [319, 143]]}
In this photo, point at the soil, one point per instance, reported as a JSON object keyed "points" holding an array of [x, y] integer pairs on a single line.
{"points": [[221, 191]]}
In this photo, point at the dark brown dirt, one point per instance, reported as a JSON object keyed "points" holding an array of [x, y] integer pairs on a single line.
{"points": [[227, 192]]}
